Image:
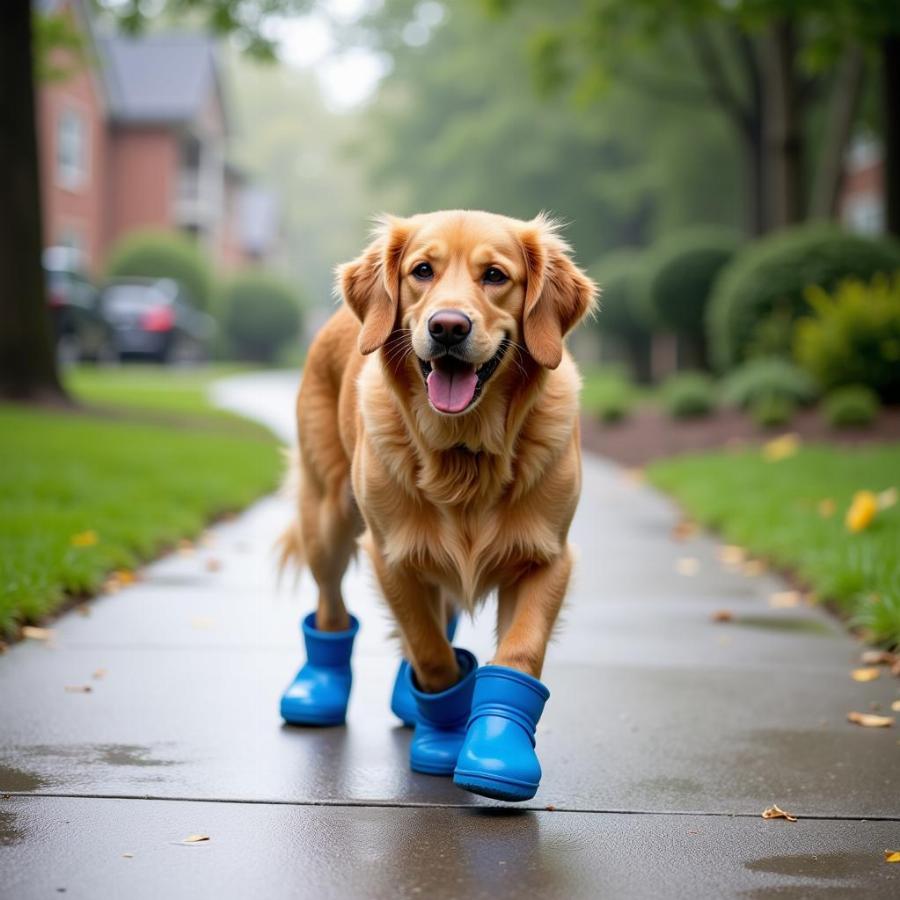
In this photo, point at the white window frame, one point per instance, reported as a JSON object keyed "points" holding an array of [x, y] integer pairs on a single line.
{"points": [[72, 126]]}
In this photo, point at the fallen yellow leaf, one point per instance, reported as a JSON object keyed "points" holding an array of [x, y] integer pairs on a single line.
{"points": [[868, 674], [775, 812], [84, 539], [781, 447], [892, 856], [878, 657], [195, 838], [827, 508], [33, 633], [888, 498], [722, 615], [687, 565], [861, 512], [870, 720], [731, 555], [784, 599], [895, 706], [125, 576]]}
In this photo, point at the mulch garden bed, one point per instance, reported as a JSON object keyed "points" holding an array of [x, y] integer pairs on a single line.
{"points": [[649, 434]]}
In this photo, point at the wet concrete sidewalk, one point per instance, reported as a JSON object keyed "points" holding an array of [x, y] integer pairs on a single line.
{"points": [[665, 736]]}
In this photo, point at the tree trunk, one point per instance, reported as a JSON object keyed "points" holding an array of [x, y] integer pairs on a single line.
{"points": [[890, 55], [756, 182], [842, 111], [27, 356], [784, 126]]}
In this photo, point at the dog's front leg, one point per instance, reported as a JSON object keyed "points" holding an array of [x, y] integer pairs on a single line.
{"points": [[526, 613], [416, 607]]}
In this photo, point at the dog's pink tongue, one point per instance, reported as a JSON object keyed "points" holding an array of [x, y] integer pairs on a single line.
{"points": [[451, 392]]}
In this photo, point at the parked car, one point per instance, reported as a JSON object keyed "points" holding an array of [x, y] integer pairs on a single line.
{"points": [[81, 332], [153, 318]]}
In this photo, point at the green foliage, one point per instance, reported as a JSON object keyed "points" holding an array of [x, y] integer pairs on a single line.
{"points": [[772, 510], [261, 315], [689, 395], [620, 276], [853, 336], [772, 410], [760, 294], [681, 272], [140, 480], [852, 406], [608, 394], [762, 378], [164, 254]]}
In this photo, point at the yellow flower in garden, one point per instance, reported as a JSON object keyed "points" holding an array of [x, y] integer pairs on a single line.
{"points": [[84, 539], [862, 511], [781, 447]]}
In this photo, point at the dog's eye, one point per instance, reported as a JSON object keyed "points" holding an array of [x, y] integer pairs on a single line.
{"points": [[493, 275], [423, 271]]}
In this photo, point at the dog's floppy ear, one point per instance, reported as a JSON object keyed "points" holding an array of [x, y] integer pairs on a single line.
{"points": [[558, 295], [370, 284]]}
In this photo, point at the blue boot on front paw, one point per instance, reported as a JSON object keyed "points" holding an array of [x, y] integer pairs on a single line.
{"points": [[497, 758], [402, 704], [319, 693], [441, 720]]}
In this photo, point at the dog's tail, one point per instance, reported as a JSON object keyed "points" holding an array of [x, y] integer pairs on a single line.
{"points": [[290, 543]]}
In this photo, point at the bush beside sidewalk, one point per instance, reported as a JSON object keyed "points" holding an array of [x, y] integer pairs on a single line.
{"points": [[144, 463]]}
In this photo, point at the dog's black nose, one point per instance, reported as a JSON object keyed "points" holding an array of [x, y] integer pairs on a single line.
{"points": [[449, 327]]}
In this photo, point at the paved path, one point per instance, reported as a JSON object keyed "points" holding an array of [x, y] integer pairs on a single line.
{"points": [[665, 737]]}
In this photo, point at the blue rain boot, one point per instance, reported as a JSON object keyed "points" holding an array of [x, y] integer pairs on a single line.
{"points": [[441, 720], [402, 704], [497, 758], [319, 693]]}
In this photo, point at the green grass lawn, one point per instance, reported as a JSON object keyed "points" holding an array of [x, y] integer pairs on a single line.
{"points": [[772, 509], [146, 461]]}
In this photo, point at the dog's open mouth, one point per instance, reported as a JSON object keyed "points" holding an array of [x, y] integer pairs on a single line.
{"points": [[453, 384]]}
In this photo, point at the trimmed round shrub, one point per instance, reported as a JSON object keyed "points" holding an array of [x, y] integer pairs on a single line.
{"points": [[608, 394], [854, 406], [681, 272], [261, 315], [164, 254], [772, 410], [622, 316], [758, 296], [766, 377], [853, 336], [689, 395]]}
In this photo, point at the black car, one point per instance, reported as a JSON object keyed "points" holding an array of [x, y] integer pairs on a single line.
{"points": [[153, 318], [81, 332]]}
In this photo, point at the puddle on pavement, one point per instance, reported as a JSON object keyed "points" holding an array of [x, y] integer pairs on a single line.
{"points": [[681, 792], [99, 754], [792, 624], [827, 866], [20, 781], [10, 833]]}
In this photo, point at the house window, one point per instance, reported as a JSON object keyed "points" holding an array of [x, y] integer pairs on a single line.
{"points": [[71, 149]]}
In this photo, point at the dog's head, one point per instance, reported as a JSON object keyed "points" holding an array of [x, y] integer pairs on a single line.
{"points": [[460, 289]]}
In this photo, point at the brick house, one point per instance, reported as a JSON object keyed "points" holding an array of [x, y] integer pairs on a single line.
{"points": [[135, 136]]}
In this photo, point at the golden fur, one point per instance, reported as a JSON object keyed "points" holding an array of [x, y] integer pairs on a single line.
{"points": [[448, 507]]}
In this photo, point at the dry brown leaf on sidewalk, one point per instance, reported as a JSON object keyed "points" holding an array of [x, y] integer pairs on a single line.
{"points": [[684, 529], [731, 555], [213, 564], [722, 615], [870, 720], [878, 658], [185, 547], [892, 856], [895, 706], [752, 568], [688, 566], [34, 633], [97, 674], [78, 689], [776, 812], [868, 674], [195, 838]]}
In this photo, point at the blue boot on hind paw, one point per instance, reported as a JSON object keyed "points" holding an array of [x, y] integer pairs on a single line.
{"points": [[497, 758], [319, 693], [402, 704], [441, 720]]}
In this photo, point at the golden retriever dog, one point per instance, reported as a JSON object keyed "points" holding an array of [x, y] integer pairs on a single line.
{"points": [[438, 429]]}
